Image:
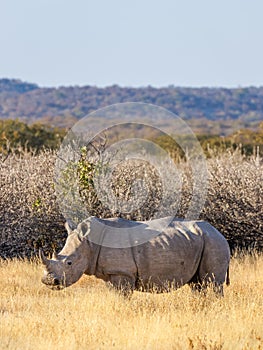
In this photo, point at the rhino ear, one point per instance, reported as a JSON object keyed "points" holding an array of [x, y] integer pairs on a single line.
{"points": [[84, 228], [70, 225], [67, 227]]}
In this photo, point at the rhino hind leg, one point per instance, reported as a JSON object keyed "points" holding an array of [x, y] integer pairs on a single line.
{"points": [[210, 273], [200, 285], [195, 283], [212, 276]]}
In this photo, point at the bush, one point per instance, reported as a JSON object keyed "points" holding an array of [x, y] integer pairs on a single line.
{"points": [[235, 202], [30, 216]]}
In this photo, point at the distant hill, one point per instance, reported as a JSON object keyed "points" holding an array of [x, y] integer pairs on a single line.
{"points": [[15, 86], [207, 110]]}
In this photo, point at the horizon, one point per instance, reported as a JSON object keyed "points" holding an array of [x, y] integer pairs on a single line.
{"points": [[129, 87]]}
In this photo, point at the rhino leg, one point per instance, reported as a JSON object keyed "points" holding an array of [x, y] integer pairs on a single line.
{"points": [[200, 284], [124, 284], [212, 272], [195, 283]]}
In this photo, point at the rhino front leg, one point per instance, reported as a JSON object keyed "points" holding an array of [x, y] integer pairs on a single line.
{"points": [[124, 284]]}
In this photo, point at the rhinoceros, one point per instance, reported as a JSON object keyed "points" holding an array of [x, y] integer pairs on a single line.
{"points": [[182, 252]]}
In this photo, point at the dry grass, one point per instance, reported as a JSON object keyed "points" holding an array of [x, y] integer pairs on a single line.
{"points": [[89, 316]]}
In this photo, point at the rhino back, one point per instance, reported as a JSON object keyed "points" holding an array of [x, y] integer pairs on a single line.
{"points": [[172, 256]]}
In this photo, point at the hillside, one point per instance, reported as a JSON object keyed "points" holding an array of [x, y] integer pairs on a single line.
{"points": [[207, 110]]}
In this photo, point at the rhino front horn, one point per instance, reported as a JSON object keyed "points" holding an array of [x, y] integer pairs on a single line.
{"points": [[42, 257]]}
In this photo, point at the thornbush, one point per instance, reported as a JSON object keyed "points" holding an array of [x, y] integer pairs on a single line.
{"points": [[30, 215]]}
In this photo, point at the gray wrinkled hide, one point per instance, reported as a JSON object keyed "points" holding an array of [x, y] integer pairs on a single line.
{"points": [[191, 252]]}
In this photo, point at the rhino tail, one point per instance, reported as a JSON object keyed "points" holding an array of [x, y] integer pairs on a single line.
{"points": [[227, 277]]}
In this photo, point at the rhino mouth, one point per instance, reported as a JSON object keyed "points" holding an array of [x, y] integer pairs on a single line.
{"points": [[53, 282]]}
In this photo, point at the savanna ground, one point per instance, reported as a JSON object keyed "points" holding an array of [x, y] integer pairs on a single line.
{"points": [[90, 316]]}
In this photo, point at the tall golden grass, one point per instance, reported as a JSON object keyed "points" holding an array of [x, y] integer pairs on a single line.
{"points": [[89, 316]]}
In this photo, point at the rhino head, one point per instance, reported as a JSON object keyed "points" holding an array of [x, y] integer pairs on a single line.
{"points": [[68, 266]]}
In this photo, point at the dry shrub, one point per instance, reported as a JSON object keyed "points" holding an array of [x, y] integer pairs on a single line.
{"points": [[235, 199], [30, 216]]}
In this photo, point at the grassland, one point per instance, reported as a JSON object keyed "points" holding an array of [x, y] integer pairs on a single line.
{"points": [[89, 316]]}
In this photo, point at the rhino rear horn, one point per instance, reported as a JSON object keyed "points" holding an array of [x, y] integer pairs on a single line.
{"points": [[55, 256]]}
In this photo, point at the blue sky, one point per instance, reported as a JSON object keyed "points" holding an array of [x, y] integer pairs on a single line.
{"points": [[132, 43]]}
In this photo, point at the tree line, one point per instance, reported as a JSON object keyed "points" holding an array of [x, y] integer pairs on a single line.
{"points": [[15, 134]]}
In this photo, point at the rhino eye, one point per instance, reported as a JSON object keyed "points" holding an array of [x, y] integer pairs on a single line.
{"points": [[69, 262]]}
